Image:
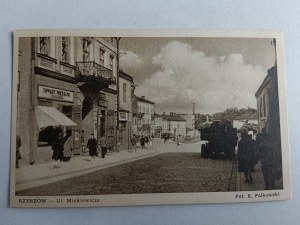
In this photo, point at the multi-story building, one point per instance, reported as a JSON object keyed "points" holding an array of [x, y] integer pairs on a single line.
{"points": [[96, 64], [66, 82], [172, 124], [157, 125], [125, 110], [143, 111], [268, 104]]}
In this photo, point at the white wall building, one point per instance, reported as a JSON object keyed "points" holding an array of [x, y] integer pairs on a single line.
{"points": [[172, 124]]}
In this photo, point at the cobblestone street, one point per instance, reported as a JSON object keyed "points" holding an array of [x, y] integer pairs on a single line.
{"points": [[165, 173]]}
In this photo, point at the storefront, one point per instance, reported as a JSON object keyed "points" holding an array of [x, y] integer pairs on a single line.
{"points": [[106, 121], [124, 130], [55, 110]]}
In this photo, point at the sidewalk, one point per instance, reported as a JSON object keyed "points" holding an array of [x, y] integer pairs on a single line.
{"points": [[258, 181], [40, 174]]}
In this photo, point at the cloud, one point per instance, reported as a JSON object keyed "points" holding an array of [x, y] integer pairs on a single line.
{"points": [[187, 76], [131, 60]]}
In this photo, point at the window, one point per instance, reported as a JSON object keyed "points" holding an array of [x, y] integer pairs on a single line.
{"points": [[124, 92], [147, 111], [86, 49], [260, 107], [151, 111], [65, 47], [264, 104], [45, 45], [101, 56], [111, 61]]}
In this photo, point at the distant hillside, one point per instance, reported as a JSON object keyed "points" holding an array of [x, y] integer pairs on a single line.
{"points": [[228, 115], [235, 114]]}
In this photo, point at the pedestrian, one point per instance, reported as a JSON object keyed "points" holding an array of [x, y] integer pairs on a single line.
{"points": [[18, 154], [166, 138], [142, 141], [178, 140], [146, 141], [270, 161], [92, 146], [57, 147], [68, 147], [103, 145], [134, 142], [151, 142], [82, 141], [245, 156]]}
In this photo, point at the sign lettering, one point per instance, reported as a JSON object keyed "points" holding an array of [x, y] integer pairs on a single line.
{"points": [[55, 94]]}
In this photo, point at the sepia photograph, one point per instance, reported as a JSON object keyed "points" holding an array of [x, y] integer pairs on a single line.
{"points": [[144, 117]]}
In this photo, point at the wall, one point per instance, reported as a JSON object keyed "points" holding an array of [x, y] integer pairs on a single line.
{"points": [[24, 116], [147, 117]]}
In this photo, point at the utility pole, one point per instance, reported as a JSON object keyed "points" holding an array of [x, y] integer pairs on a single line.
{"points": [[118, 94]]}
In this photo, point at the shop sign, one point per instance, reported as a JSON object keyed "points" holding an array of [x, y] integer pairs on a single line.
{"points": [[123, 116], [55, 94]]}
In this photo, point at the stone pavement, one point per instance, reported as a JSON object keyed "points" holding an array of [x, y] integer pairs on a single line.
{"points": [[39, 174], [36, 175], [258, 181]]}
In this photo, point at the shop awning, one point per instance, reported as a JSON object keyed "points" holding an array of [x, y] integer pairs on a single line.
{"points": [[50, 116]]}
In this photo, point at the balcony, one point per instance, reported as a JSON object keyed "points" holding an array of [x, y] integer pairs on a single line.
{"points": [[94, 71]]}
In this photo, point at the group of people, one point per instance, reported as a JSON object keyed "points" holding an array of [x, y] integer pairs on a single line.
{"points": [[264, 148], [62, 148], [92, 145], [144, 141]]}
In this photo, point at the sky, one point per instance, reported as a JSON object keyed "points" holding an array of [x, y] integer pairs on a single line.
{"points": [[213, 73]]}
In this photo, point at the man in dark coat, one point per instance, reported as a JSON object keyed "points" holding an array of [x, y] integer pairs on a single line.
{"points": [[92, 146], [142, 142], [58, 149], [245, 156]]}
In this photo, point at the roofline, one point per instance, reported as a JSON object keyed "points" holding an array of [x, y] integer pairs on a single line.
{"points": [[144, 100], [126, 76], [265, 81]]}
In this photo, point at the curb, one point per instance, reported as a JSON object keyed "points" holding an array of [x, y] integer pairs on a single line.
{"points": [[83, 171]]}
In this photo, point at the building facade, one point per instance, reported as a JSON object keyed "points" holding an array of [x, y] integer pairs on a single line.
{"points": [[64, 79], [125, 110], [143, 112], [268, 104], [172, 124]]}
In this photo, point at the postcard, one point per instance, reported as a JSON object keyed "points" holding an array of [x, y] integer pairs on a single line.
{"points": [[148, 117]]}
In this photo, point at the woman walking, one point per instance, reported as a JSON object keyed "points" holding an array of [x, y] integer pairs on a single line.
{"points": [[92, 146], [67, 146], [58, 149]]}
